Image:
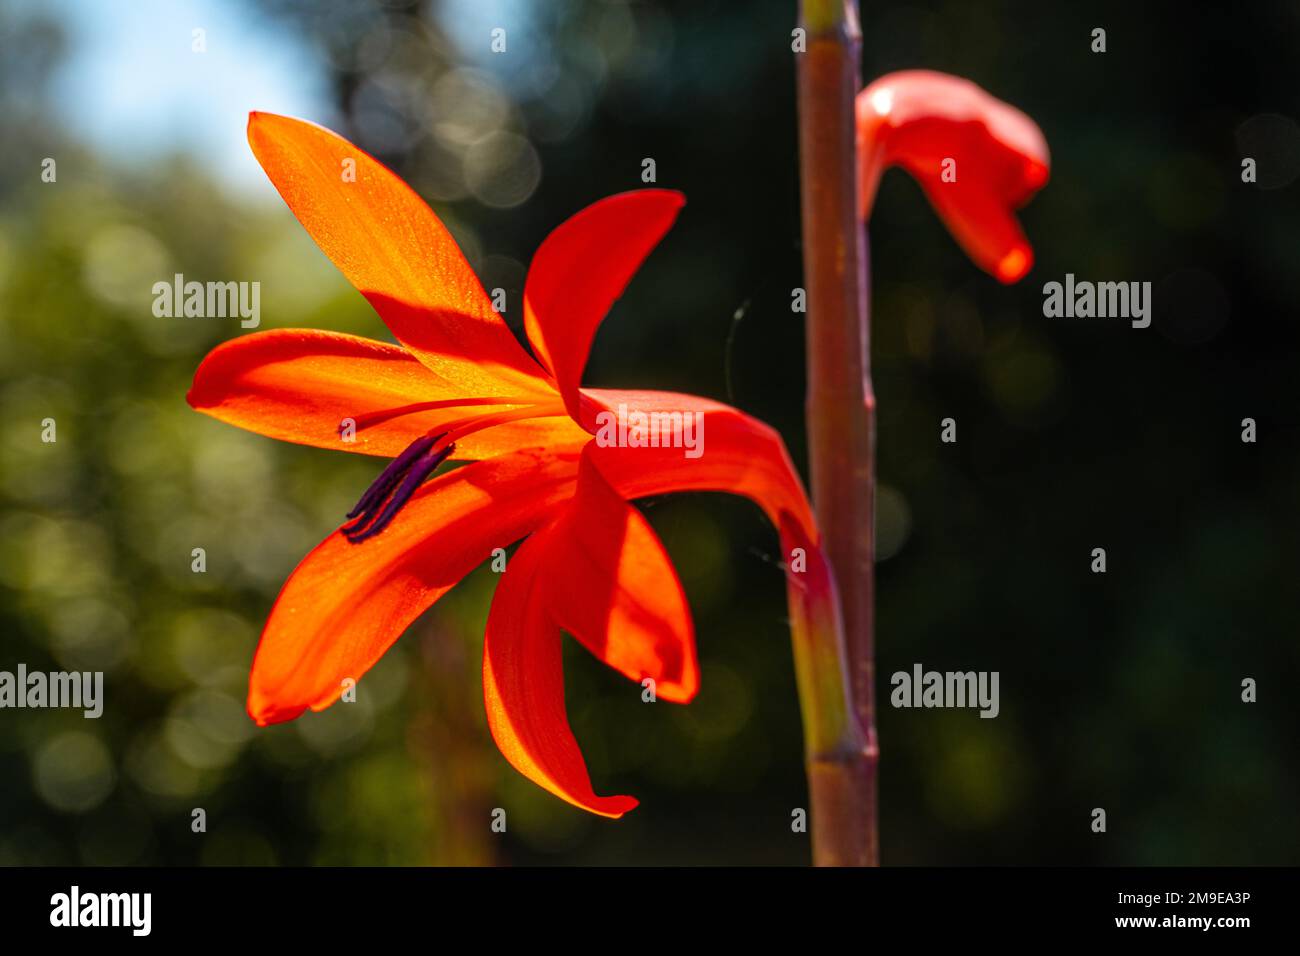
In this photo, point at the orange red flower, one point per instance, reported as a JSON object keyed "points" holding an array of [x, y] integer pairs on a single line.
{"points": [[459, 386]]}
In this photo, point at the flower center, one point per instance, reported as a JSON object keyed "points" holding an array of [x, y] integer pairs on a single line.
{"points": [[390, 492], [394, 487]]}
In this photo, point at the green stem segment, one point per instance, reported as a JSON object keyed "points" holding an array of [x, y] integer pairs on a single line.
{"points": [[837, 750], [841, 430]]}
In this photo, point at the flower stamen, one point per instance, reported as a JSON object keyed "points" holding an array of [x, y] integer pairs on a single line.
{"points": [[395, 486], [371, 419], [390, 492]]}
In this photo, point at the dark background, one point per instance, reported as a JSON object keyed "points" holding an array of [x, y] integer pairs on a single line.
{"points": [[1120, 691]]}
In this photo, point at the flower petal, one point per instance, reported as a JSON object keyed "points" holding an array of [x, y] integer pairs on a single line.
{"points": [[933, 123], [301, 385], [346, 604], [609, 583], [733, 452], [397, 253], [523, 685], [581, 269]]}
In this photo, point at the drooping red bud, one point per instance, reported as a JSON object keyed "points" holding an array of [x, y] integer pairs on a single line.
{"points": [[977, 158]]}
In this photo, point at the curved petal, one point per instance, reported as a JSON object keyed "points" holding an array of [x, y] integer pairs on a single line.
{"points": [[523, 686], [701, 445], [609, 583], [921, 119], [345, 604], [397, 253], [581, 269], [301, 385]]}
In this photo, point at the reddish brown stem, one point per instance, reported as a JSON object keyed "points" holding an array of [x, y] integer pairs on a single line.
{"points": [[840, 410]]}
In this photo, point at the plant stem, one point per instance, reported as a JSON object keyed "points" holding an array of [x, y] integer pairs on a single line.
{"points": [[840, 412]]}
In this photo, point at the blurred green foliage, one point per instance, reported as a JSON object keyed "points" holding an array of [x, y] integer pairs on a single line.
{"points": [[1119, 691]]}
